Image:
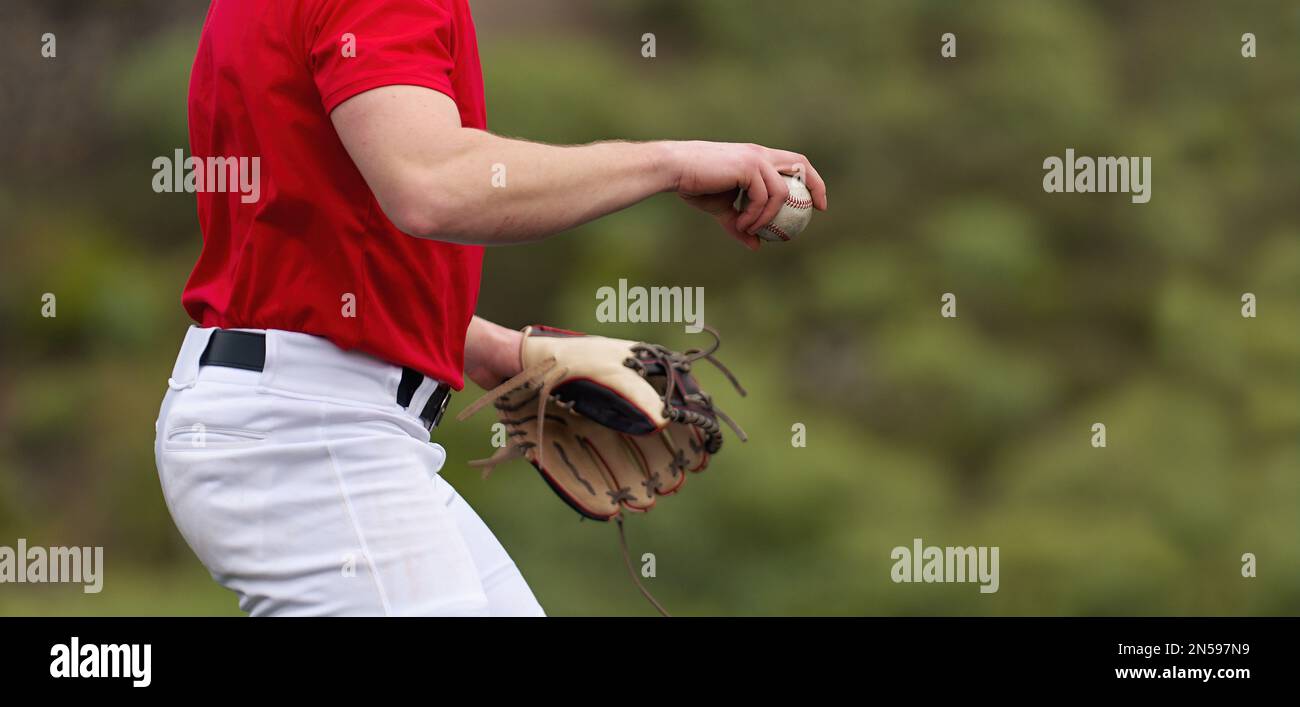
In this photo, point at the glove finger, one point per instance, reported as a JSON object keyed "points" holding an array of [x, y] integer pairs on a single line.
{"points": [[593, 469], [629, 482], [669, 454], [691, 441], [566, 468], [574, 475]]}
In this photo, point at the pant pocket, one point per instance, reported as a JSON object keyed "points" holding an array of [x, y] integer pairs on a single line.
{"points": [[200, 436]]}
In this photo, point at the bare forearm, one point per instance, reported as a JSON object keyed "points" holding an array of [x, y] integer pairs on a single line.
{"points": [[495, 191]]}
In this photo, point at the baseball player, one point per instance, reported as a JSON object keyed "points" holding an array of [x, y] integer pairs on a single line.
{"points": [[335, 311]]}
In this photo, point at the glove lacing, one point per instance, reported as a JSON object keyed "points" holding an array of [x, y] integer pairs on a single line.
{"points": [[543, 371], [649, 358]]}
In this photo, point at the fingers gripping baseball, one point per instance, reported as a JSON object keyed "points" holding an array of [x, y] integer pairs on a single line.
{"points": [[777, 192], [758, 181]]}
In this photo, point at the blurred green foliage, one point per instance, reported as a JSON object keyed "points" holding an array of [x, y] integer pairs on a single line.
{"points": [[1073, 309]]}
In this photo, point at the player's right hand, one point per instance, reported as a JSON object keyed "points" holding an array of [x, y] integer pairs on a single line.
{"points": [[710, 175]]}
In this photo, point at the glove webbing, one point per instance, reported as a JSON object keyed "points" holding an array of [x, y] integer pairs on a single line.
{"points": [[673, 364]]}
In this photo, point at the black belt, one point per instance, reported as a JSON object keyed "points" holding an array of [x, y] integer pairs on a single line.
{"points": [[247, 350]]}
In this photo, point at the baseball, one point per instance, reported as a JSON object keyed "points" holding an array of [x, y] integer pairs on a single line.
{"points": [[793, 216]]}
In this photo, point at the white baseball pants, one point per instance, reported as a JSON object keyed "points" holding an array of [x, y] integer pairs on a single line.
{"points": [[307, 490]]}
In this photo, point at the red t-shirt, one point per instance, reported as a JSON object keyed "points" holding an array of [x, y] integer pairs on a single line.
{"points": [[314, 253]]}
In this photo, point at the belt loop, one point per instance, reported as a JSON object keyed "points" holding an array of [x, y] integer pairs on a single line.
{"points": [[423, 397], [420, 400], [186, 370], [271, 364]]}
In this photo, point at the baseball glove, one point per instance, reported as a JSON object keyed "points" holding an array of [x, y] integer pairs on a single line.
{"points": [[611, 424]]}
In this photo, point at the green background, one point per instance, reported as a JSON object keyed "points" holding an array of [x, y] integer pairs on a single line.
{"points": [[1073, 309]]}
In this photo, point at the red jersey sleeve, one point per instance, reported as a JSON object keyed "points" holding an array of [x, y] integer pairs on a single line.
{"points": [[357, 45]]}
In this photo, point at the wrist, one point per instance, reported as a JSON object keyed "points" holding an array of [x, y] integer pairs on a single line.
{"points": [[512, 352], [492, 353], [665, 164]]}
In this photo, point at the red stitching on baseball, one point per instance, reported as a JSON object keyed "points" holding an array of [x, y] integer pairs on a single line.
{"points": [[780, 233], [798, 203]]}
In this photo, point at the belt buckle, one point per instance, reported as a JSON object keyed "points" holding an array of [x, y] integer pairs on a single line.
{"points": [[442, 406]]}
